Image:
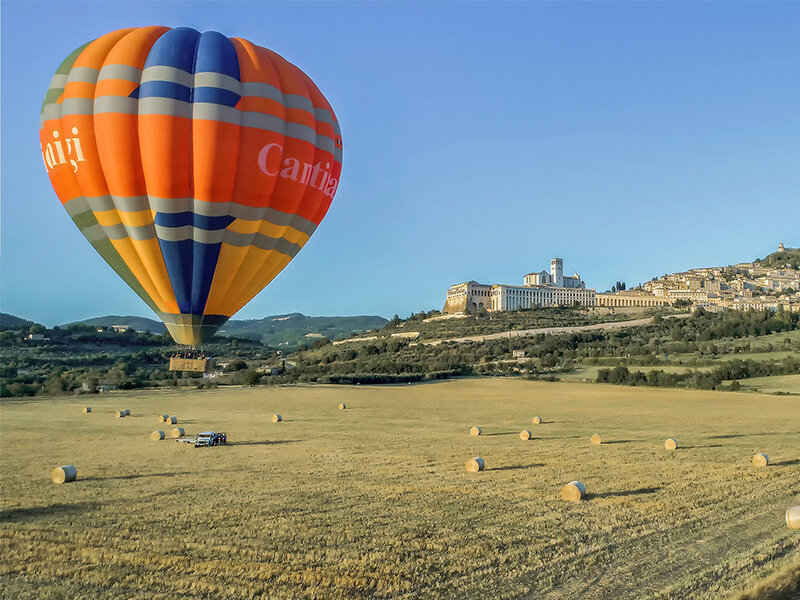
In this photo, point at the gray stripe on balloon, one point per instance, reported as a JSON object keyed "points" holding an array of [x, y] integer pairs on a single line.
{"points": [[193, 319], [123, 204], [120, 231], [202, 236], [83, 75], [116, 104], [77, 106], [124, 72], [255, 89], [169, 74], [233, 209], [171, 107], [51, 110], [126, 105], [259, 89], [321, 114], [76, 206], [58, 82], [203, 111], [266, 122], [233, 238], [182, 319], [79, 205], [94, 233], [217, 80]]}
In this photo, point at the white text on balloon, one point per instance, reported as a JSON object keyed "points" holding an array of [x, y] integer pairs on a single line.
{"points": [[317, 176]]}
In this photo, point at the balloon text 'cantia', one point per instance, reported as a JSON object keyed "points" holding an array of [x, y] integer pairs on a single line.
{"points": [[314, 175]]}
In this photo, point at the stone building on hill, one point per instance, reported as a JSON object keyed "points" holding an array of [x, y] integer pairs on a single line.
{"points": [[539, 289]]}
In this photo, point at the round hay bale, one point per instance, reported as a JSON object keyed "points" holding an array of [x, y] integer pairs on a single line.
{"points": [[760, 459], [537, 420], [87, 409], [671, 444], [157, 435], [171, 420], [342, 406], [574, 491], [177, 432], [127, 411], [475, 464], [793, 517], [475, 431], [64, 474], [276, 418], [597, 439], [525, 435], [119, 414], [163, 418]]}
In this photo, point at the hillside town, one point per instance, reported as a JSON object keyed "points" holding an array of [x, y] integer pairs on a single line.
{"points": [[758, 285]]}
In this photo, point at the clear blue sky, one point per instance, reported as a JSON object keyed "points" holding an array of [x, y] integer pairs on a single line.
{"points": [[481, 139]]}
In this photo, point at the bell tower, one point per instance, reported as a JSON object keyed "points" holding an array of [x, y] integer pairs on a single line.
{"points": [[557, 271]]}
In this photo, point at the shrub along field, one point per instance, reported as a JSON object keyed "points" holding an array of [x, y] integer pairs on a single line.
{"points": [[374, 501]]}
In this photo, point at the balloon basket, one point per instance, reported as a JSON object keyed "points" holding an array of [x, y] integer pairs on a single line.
{"points": [[191, 361]]}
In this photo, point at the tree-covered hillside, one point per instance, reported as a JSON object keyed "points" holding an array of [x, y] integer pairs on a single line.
{"points": [[697, 346], [293, 330], [287, 332], [789, 258], [135, 323], [69, 357], [11, 322]]}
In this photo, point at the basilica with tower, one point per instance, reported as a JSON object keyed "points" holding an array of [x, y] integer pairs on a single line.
{"points": [[538, 289]]}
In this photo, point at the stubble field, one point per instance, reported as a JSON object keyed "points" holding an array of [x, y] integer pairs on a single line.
{"points": [[374, 502]]}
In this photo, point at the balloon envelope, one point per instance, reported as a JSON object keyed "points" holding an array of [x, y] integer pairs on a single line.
{"points": [[196, 165]]}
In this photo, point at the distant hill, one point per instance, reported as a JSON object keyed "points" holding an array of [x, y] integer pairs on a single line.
{"points": [[282, 331], [790, 256], [137, 323], [8, 321], [291, 330]]}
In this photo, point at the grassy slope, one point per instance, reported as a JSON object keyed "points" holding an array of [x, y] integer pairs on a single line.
{"points": [[775, 338], [790, 383], [374, 501], [776, 383], [774, 355], [508, 321]]}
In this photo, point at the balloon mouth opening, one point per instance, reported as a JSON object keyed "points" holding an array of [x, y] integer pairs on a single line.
{"points": [[191, 331]]}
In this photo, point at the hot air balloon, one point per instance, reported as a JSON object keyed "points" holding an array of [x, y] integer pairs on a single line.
{"points": [[196, 165]]}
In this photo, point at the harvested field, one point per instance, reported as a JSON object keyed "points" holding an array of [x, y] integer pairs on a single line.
{"points": [[381, 506]]}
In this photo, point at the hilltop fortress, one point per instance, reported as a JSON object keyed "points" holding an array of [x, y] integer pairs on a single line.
{"points": [[740, 287]]}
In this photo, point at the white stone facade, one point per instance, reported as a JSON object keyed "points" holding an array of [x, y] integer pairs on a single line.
{"points": [[512, 297], [539, 289]]}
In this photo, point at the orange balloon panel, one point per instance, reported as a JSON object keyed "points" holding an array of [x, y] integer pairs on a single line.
{"points": [[196, 165]]}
